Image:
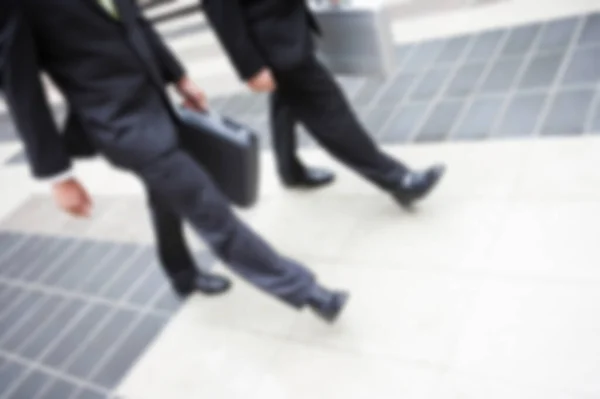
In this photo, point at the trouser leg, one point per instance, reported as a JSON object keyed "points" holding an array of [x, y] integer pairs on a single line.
{"points": [[172, 249], [177, 180], [315, 100], [284, 140]]}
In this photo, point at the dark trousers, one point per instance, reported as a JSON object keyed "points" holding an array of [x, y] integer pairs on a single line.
{"points": [[309, 94], [171, 246], [181, 190]]}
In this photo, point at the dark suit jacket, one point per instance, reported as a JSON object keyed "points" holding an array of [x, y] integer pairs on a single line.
{"points": [[112, 74], [263, 33]]}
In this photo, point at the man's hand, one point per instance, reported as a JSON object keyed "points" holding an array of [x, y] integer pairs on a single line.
{"points": [[263, 82], [72, 197], [193, 97]]}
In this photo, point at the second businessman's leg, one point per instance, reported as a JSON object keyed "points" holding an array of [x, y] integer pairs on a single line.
{"points": [[316, 100], [283, 131]]}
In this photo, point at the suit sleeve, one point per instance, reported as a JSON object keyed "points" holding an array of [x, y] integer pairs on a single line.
{"points": [[25, 96], [226, 18], [171, 68]]}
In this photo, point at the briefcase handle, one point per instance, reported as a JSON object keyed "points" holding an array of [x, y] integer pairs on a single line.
{"points": [[220, 122], [214, 116]]}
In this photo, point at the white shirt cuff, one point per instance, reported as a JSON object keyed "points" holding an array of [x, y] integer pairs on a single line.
{"points": [[64, 176]]}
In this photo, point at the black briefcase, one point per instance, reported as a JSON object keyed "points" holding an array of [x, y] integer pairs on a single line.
{"points": [[228, 151]]}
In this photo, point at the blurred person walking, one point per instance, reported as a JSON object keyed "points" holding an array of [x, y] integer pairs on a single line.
{"points": [[271, 45], [112, 68]]}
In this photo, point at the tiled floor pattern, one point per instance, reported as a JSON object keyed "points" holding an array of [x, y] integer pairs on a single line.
{"points": [[524, 81], [80, 302], [533, 80], [76, 314]]}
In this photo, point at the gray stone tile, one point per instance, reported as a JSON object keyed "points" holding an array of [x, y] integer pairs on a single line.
{"points": [[368, 92], [376, 119], [17, 312], [423, 56], [205, 260], [168, 301], [47, 265], [78, 265], [431, 84], [89, 394], [596, 117], [31, 322], [486, 44], [542, 71], [260, 127], [453, 50], [49, 261], [60, 389], [10, 244], [402, 53], [304, 137], [13, 298], [128, 352], [87, 359], [568, 112], [238, 104], [394, 93], [103, 270], [9, 373], [118, 288], [152, 283], [591, 30], [20, 157], [7, 130], [404, 123], [7, 240], [50, 330], [480, 118], [25, 256], [584, 67], [350, 84], [466, 80], [31, 386], [77, 334], [440, 121], [521, 40], [218, 103], [7, 293], [522, 115], [260, 105], [502, 75], [10, 260], [557, 34]]}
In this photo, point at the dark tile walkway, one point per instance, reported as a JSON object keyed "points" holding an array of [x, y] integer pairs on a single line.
{"points": [[75, 314], [524, 81]]}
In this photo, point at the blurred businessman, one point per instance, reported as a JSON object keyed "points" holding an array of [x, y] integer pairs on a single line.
{"points": [[270, 43], [112, 69]]}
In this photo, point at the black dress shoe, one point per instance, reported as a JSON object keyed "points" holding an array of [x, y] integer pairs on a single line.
{"points": [[208, 284], [313, 178], [328, 304], [416, 185]]}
